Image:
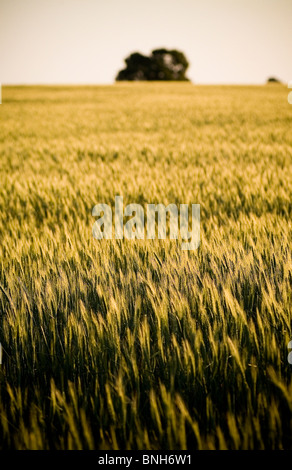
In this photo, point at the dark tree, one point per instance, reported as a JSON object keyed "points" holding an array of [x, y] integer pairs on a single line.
{"points": [[273, 80], [162, 64]]}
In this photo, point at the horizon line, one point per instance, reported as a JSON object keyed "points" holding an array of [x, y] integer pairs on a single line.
{"points": [[189, 82]]}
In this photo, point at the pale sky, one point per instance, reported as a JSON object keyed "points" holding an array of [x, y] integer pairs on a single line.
{"points": [[85, 41]]}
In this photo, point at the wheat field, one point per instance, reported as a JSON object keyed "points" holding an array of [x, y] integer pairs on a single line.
{"points": [[137, 344]]}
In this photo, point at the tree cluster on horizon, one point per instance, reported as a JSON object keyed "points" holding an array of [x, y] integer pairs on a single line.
{"points": [[161, 64]]}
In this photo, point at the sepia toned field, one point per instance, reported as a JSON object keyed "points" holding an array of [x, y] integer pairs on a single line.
{"points": [[118, 344]]}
